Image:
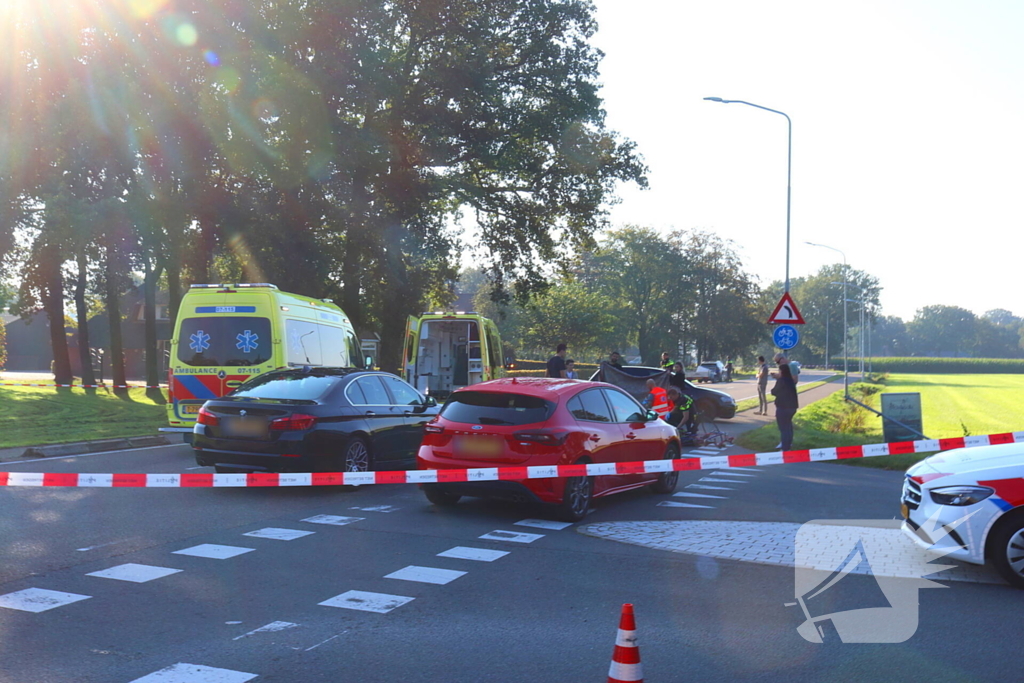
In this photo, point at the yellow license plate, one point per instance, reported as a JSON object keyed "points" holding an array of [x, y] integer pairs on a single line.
{"points": [[190, 409], [905, 511], [478, 446]]}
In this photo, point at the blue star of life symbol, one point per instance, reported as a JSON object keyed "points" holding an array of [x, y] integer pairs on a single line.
{"points": [[247, 341], [200, 341]]}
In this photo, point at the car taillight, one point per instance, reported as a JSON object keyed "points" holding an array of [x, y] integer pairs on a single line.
{"points": [[548, 437], [433, 429], [291, 423], [205, 417]]}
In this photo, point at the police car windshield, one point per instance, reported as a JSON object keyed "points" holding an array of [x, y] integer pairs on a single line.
{"points": [[224, 342]]}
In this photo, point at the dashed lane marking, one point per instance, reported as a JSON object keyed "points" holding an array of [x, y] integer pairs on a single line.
{"points": [[426, 575], [476, 554], [135, 573], [673, 504], [279, 534], [37, 600], [268, 628], [727, 473], [685, 494], [709, 488], [195, 673], [544, 524], [511, 536], [332, 519], [376, 508], [365, 601], [213, 551], [725, 481]]}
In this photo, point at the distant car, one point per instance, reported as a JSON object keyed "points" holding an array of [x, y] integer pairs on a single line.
{"points": [[709, 403], [538, 421], [313, 420], [976, 498], [710, 371]]}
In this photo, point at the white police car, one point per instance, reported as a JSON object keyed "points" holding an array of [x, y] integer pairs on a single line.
{"points": [[976, 498]]}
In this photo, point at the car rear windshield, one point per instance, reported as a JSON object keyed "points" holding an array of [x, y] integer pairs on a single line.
{"points": [[487, 408], [231, 341], [288, 386]]}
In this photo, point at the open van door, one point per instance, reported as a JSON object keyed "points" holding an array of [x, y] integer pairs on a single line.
{"points": [[412, 335]]}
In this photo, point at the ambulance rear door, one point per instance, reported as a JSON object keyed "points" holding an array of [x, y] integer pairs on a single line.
{"points": [[412, 339]]}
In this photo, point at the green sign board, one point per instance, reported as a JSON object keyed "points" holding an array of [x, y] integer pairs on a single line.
{"points": [[907, 409]]}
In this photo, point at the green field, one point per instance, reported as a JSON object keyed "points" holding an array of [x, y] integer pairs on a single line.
{"points": [[951, 406], [32, 416]]}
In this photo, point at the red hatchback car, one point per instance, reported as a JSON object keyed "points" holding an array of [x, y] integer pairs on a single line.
{"points": [[534, 421]]}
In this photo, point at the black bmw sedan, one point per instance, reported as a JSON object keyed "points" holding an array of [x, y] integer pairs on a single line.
{"points": [[313, 420]]}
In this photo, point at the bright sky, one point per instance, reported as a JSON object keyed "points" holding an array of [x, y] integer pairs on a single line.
{"points": [[908, 135]]}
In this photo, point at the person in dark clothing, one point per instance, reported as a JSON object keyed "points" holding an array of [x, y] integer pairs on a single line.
{"points": [[615, 360], [556, 364], [678, 377], [666, 362], [786, 403]]}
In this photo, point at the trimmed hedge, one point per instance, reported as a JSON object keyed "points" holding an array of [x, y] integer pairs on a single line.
{"points": [[915, 365]]}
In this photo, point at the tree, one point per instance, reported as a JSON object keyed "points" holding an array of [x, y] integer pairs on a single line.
{"points": [[569, 313], [944, 330], [642, 277], [723, 319]]}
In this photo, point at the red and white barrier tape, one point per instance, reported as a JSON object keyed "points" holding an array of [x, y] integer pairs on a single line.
{"points": [[258, 479], [86, 386]]}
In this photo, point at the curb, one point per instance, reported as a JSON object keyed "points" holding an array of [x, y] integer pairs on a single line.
{"points": [[82, 447]]}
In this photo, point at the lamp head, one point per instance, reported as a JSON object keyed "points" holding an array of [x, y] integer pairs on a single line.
{"points": [[714, 99]]}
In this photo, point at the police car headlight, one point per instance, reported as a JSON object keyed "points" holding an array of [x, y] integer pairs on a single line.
{"points": [[960, 495]]}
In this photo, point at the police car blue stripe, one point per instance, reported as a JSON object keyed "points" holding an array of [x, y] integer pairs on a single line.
{"points": [[195, 386], [1001, 504]]}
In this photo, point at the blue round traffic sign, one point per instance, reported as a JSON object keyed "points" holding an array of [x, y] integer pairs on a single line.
{"points": [[785, 337]]}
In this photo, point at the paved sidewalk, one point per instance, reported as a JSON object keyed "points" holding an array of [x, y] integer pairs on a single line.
{"points": [[749, 420]]}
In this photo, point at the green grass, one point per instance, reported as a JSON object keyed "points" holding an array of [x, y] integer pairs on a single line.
{"points": [[33, 416], [951, 406]]}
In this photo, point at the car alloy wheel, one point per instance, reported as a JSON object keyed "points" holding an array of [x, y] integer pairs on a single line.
{"points": [[667, 480], [1006, 549], [576, 498], [357, 456]]}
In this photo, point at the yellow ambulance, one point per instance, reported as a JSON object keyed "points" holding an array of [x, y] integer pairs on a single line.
{"points": [[227, 333], [446, 351]]}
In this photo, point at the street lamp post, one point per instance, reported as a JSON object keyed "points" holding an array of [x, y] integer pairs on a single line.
{"points": [[789, 165], [862, 292], [846, 352]]}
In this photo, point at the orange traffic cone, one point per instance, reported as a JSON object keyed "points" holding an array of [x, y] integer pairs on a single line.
{"points": [[626, 657]]}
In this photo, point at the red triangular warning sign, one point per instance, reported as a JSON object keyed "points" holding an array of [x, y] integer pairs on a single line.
{"points": [[786, 312]]}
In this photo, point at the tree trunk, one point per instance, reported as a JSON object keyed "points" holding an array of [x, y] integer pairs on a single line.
{"points": [[173, 267], [53, 304], [84, 352], [112, 301], [151, 275]]}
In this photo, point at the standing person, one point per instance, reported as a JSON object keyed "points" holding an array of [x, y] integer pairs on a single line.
{"points": [[762, 386], [615, 360], [786, 403], [794, 367], [678, 377], [728, 371], [570, 369], [666, 362], [556, 364]]}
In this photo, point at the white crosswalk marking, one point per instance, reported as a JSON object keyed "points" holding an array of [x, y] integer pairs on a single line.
{"points": [[710, 488], [511, 536], [279, 534], [673, 504], [195, 673], [365, 601], [37, 600], [684, 494], [135, 573], [426, 575], [477, 554], [213, 551], [544, 524]]}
